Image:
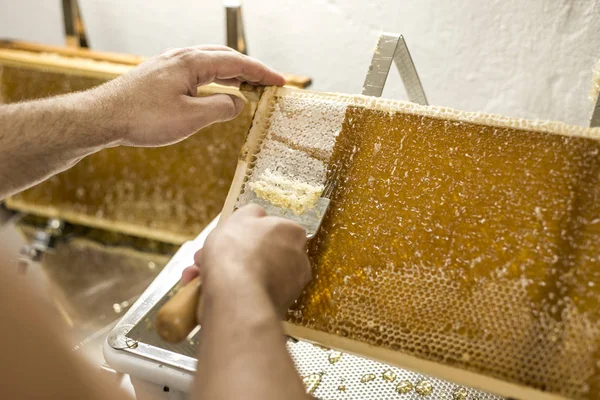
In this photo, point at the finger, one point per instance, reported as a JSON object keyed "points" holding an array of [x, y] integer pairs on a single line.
{"points": [[208, 66], [175, 51], [171, 51], [250, 210], [189, 274], [297, 278], [296, 233], [168, 50], [206, 110], [234, 82], [305, 271], [198, 257], [214, 47]]}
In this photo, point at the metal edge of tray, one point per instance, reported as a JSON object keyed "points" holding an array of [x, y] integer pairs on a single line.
{"points": [[119, 340]]}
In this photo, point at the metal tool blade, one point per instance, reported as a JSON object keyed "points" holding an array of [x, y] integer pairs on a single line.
{"points": [[310, 219]]}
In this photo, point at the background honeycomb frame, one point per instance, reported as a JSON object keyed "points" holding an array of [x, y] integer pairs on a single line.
{"points": [[29, 71]]}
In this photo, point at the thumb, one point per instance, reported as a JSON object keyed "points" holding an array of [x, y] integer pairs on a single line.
{"points": [[189, 274], [207, 110], [249, 210]]}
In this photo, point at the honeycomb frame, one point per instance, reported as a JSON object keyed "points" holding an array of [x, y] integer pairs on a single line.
{"points": [[469, 377]]}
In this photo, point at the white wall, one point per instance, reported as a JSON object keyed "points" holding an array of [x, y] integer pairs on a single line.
{"points": [[528, 58]]}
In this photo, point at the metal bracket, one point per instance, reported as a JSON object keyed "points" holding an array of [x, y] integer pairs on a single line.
{"points": [[595, 119], [392, 47], [74, 28], [118, 340], [235, 27], [44, 241]]}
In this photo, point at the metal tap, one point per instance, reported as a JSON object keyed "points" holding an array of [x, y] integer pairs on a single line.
{"points": [[44, 241]]}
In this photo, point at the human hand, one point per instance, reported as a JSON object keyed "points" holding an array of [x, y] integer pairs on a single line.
{"points": [[253, 249], [156, 103]]}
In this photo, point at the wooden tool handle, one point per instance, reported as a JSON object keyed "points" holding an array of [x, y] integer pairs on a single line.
{"points": [[177, 317]]}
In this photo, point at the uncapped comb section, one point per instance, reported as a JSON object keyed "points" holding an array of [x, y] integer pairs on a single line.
{"points": [[292, 181], [462, 245], [311, 125], [291, 167]]}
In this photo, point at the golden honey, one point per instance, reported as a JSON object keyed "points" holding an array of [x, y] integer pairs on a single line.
{"points": [[312, 382], [471, 245], [388, 375], [424, 388], [459, 394], [334, 357], [404, 387], [368, 378]]}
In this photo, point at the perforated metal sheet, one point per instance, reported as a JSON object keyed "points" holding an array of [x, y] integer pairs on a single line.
{"points": [[328, 374], [344, 379]]}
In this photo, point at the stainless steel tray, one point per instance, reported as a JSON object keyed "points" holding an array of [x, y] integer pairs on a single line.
{"points": [[133, 347]]}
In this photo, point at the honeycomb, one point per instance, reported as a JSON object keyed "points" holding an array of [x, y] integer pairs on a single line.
{"points": [[463, 239], [168, 194], [304, 131]]}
